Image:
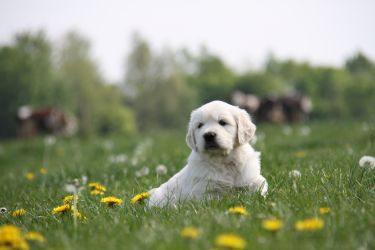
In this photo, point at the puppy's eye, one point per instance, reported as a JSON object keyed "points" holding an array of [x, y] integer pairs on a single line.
{"points": [[200, 125], [223, 123]]}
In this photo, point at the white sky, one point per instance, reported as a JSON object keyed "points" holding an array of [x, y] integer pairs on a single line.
{"points": [[243, 32]]}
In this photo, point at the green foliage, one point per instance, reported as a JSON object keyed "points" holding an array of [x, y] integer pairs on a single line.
{"points": [[213, 80], [26, 77], [29, 76], [157, 87]]}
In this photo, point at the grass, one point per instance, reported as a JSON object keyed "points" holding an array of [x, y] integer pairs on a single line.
{"points": [[330, 177]]}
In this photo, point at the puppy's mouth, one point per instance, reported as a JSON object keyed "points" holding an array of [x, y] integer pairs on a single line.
{"points": [[212, 145]]}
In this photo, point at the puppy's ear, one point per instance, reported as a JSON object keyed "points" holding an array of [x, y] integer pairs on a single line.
{"points": [[190, 137], [245, 128]]}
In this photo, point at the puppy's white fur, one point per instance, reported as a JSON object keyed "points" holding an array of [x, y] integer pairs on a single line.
{"points": [[232, 163]]}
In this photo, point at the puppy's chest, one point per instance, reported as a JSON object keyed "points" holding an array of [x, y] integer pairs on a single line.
{"points": [[227, 173]]}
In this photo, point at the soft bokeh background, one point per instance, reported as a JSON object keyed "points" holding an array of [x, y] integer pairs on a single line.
{"points": [[126, 67]]}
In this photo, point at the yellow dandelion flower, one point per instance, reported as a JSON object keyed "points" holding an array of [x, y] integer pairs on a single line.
{"points": [[30, 176], [19, 212], [232, 241], [77, 214], [324, 210], [272, 225], [97, 186], [111, 200], [35, 236], [300, 154], [190, 232], [312, 224], [61, 209], [69, 199], [140, 197], [96, 192], [43, 170], [238, 210], [11, 238]]}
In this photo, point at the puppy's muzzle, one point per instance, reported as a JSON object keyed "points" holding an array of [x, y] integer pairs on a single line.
{"points": [[210, 140]]}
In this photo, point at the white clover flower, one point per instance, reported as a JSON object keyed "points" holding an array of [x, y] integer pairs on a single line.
{"points": [[142, 172], [161, 169], [367, 162], [305, 131], [121, 158], [49, 140], [294, 174], [287, 130], [108, 145]]}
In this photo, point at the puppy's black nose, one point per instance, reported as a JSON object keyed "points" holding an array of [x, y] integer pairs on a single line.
{"points": [[209, 136]]}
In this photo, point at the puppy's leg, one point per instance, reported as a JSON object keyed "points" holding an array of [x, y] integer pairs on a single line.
{"points": [[170, 192], [261, 185]]}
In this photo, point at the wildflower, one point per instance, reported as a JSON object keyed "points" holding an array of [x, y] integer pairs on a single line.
{"points": [[76, 185], [312, 224], [34, 236], [97, 186], [11, 238], [294, 174], [30, 176], [108, 145], [61, 209], [3, 210], [367, 162], [230, 241], [239, 210], [324, 210], [43, 170], [19, 212], [111, 200], [190, 232], [287, 130], [77, 214], [96, 192], [50, 140], [161, 170], [272, 225], [121, 158], [300, 154], [305, 131], [70, 199], [142, 172], [140, 197]]}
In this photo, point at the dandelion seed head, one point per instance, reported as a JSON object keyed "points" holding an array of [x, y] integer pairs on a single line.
{"points": [[367, 162], [3, 210], [142, 172], [294, 174], [161, 169]]}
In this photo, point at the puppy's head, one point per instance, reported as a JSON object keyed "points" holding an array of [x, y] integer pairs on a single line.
{"points": [[218, 127]]}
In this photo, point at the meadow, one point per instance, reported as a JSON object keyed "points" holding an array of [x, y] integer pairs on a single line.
{"points": [[326, 155]]}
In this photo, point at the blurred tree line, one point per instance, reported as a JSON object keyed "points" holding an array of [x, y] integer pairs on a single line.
{"points": [[160, 88]]}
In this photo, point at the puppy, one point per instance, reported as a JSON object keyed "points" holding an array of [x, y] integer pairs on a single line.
{"points": [[221, 157]]}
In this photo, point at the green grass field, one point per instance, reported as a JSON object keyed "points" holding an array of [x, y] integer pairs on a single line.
{"points": [[330, 177]]}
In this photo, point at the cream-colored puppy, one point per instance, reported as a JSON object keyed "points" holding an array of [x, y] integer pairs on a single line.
{"points": [[221, 157]]}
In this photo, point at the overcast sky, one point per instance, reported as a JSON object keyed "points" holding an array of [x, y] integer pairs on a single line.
{"points": [[243, 32]]}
